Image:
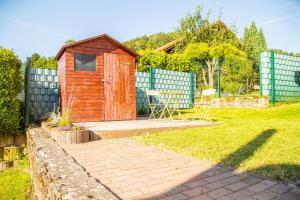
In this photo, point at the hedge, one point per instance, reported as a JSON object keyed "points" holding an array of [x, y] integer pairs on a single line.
{"points": [[10, 86]]}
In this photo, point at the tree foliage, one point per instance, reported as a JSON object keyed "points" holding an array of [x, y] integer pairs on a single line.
{"points": [[254, 43], [70, 41], [235, 68], [150, 42], [162, 60], [39, 61], [10, 87], [195, 28]]}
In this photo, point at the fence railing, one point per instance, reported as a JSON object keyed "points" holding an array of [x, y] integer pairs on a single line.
{"points": [[279, 77]]}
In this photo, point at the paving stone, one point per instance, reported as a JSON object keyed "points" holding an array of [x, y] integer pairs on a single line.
{"points": [[201, 197], [260, 187], [242, 194], [216, 184], [219, 193], [237, 186], [196, 183], [280, 188], [178, 189], [196, 191], [265, 195], [179, 196], [290, 196]]}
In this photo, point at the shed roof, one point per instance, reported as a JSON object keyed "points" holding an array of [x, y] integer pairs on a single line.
{"points": [[63, 48]]}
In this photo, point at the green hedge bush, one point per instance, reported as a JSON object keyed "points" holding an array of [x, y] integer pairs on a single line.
{"points": [[10, 86]]}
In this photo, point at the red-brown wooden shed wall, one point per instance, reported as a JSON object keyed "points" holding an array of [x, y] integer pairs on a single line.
{"points": [[83, 91]]}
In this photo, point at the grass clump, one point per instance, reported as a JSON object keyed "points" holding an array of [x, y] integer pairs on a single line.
{"points": [[15, 182]]}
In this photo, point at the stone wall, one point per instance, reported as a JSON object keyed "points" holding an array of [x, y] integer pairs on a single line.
{"points": [[56, 175], [241, 102]]}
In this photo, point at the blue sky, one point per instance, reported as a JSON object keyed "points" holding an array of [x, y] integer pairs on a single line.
{"points": [[43, 26]]}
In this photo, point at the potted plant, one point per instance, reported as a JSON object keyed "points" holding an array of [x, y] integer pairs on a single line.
{"points": [[63, 131]]}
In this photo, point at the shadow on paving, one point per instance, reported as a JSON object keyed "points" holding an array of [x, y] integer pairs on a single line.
{"points": [[223, 183]]}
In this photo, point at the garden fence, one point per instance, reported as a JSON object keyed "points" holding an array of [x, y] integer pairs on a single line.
{"points": [[167, 81], [42, 90], [279, 77]]}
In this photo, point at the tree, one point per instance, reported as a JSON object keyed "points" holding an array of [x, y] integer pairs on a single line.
{"points": [[10, 87], [235, 65], [189, 27], [39, 61], [195, 28], [152, 42], [70, 41], [254, 43], [162, 60]]}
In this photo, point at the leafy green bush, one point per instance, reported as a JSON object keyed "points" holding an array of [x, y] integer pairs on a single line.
{"points": [[162, 60], [10, 86]]}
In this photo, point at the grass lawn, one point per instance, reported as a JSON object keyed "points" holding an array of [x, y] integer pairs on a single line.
{"points": [[263, 141], [15, 182]]}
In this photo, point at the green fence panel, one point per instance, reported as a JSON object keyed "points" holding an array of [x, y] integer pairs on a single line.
{"points": [[165, 80], [285, 71], [42, 93]]}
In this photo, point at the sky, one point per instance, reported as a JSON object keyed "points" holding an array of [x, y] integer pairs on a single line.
{"points": [[42, 26]]}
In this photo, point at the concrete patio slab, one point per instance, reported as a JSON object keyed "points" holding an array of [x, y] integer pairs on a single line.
{"points": [[132, 170], [119, 129]]}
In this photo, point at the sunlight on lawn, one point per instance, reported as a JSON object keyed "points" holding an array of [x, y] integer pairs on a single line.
{"points": [[239, 142]]}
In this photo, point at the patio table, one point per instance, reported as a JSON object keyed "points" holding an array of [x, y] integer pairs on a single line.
{"points": [[171, 101]]}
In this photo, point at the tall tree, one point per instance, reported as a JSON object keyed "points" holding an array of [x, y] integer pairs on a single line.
{"points": [[254, 43], [189, 27], [236, 67]]}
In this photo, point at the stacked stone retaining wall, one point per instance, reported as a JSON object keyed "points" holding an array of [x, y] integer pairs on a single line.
{"points": [[56, 175]]}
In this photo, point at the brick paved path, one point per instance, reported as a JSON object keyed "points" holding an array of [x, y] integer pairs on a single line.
{"points": [[134, 171]]}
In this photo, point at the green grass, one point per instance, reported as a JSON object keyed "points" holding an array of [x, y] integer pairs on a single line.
{"points": [[263, 141], [15, 182]]}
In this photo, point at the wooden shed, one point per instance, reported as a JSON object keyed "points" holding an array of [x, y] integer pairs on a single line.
{"points": [[97, 80]]}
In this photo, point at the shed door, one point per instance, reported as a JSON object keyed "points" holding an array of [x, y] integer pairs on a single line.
{"points": [[119, 87]]}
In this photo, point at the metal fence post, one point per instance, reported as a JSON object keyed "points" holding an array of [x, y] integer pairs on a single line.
{"points": [[150, 78], [191, 89], [273, 95], [27, 91], [219, 77], [260, 75]]}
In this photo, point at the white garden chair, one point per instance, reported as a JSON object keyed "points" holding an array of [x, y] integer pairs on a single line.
{"points": [[154, 104], [201, 109]]}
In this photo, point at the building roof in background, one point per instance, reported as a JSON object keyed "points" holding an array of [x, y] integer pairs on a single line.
{"points": [[169, 46], [94, 38]]}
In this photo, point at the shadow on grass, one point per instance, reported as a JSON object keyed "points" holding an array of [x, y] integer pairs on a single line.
{"points": [[211, 182]]}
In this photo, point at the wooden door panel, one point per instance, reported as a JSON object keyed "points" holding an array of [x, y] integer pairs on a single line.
{"points": [[119, 87]]}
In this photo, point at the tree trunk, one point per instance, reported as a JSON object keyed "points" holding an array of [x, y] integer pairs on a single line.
{"points": [[204, 76], [211, 72]]}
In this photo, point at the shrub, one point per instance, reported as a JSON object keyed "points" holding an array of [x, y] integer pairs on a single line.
{"points": [[10, 87], [162, 60]]}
